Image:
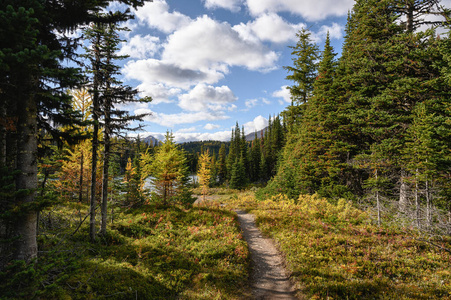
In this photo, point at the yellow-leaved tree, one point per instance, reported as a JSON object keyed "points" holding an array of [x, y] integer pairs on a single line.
{"points": [[204, 172], [169, 172]]}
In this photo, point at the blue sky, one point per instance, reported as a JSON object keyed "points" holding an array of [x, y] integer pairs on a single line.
{"points": [[211, 63]]}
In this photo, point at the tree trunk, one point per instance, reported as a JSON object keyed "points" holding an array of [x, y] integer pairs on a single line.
{"points": [[25, 246], [95, 138], [378, 204], [403, 193], [417, 202], [3, 134], [428, 205], [106, 138], [409, 16], [106, 163], [80, 191]]}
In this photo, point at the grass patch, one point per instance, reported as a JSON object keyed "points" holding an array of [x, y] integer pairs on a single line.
{"points": [[335, 253], [148, 253]]}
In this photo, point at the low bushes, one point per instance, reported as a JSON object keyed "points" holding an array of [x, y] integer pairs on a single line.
{"points": [[148, 253], [334, 252]]}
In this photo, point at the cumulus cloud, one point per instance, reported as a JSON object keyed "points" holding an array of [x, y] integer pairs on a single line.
{"points": [[269, 27], [206, 136], [183, 137], [256, 125], [170, 120], [156, 15], [308, 9], [335, 31], [159, 92], [208, 44], [283, 93], [153, 71], [184, 130], [210, 126], [250, 103], [140, 47], [232, 5], [206, 97]]}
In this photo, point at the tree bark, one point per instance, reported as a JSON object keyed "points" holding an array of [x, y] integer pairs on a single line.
{"points": [[417, 202], [378, 204], [95, 138], [106, 164], [80, 191], [25, 245], [428, 205], [403, 193]]}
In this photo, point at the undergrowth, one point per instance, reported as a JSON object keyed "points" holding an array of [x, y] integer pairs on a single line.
{"points": [[334, 252], [148, 253]]}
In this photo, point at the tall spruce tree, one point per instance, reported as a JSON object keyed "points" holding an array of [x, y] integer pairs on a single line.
{"points": [[222, 164], [114, 93]]}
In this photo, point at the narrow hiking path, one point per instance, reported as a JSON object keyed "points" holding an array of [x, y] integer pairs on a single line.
{"points": [[269, 278]]}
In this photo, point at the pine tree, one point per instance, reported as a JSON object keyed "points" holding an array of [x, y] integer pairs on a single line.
{"points": [[222, 165], [255, 159], [114, 92], [238, 178], [303, 73]]}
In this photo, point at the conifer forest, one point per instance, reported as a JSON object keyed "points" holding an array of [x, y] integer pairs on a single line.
{"points": [[352, 180]]}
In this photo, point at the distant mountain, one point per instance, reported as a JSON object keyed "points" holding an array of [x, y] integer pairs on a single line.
{"points": [[150, 140], [250, 137]]}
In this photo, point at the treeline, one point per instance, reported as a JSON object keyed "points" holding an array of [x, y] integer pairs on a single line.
{"points": [[373, 125], [195, 148], [239, 162]]}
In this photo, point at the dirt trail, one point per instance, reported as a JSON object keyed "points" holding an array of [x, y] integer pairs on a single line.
{"points": [[269, 279]]}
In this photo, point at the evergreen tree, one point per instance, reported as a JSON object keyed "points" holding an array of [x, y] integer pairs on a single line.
{"points": [[222, 165], [238, 178], [33, 83], [255, 159], [303, 73]]}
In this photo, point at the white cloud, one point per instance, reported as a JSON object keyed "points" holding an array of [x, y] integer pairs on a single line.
{"points": [[182, 137], [184, 130], [170, 120], [283, 93], [207, 44], [156, 15], [269, 27], [141, 47], [311, 10], [257, 124], [157, 71], [232, 5], [335, 31], [251, 103], [158, 91], [210, 126], [206, 97], [206, 136]]}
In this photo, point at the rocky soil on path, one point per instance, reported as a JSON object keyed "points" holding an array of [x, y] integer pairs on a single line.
{"points": [[269, 278]]}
